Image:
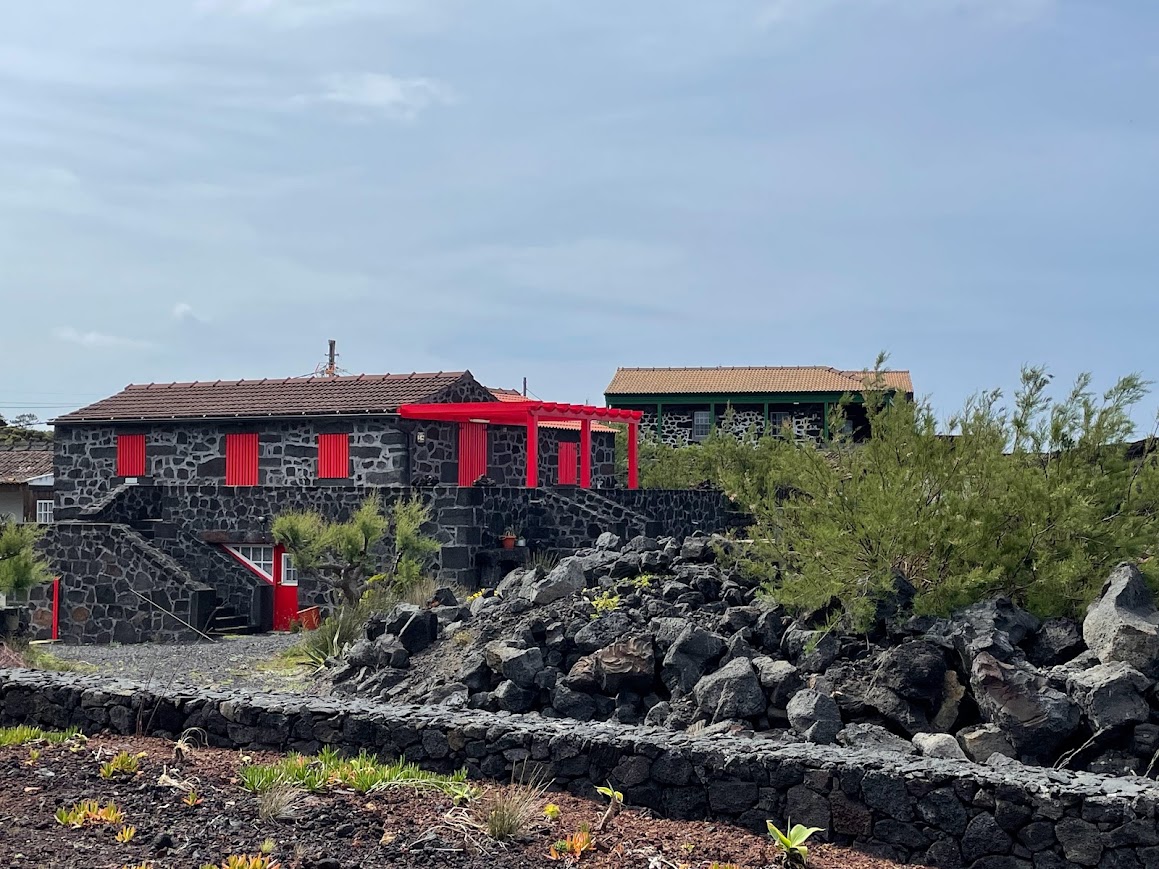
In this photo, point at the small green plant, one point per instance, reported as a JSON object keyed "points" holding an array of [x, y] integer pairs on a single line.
{"points": [[192, 798], [267, 846], [613, 795], [551, 812], [463, 639], [34, 755], [644, 581], [604, 602], [475, 595], [248, 861], [89, 813], [123, 764], [125, 834], [544, 559], [22, 734], [794, 851]]}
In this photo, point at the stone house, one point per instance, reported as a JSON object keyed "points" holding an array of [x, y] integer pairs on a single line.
{"points": [[26, 483], [165, 493], [683, 405]]}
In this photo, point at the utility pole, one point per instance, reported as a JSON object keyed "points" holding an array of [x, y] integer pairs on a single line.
{"points": [[525, 387], [331, 366]]}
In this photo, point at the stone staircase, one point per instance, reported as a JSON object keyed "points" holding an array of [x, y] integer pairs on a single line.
{"points": [[587, 515]]}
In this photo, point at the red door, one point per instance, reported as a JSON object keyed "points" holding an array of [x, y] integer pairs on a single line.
{"points": [[568, 462], [472, 452], [285, 591]]}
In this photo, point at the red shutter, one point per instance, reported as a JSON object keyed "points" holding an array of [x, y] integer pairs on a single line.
{"points": [[472, 452], [241, 459], [568, 458], [333, 456], [131, 455]]}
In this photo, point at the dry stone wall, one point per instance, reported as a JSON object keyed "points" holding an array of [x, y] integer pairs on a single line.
{"points": [[943, 813]]}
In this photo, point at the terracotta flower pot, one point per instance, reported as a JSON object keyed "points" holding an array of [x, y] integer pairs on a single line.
{"points": [[508, 541]]}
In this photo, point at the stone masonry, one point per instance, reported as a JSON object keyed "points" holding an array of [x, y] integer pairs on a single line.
{"points": [[947, 813]]}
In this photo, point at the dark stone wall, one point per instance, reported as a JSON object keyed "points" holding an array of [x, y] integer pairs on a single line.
{"points": [[100, 567], [683, 512], [940, 812], [85, 463]]}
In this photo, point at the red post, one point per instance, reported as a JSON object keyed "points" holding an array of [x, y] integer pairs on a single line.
{"points": [[56, 608], [586, 454], [633, 456], [532, 452]]}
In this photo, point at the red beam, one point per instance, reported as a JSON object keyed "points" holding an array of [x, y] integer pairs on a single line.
{"points": [[532, 452], [586, 454], [56, 608], [633, 457], [516, 413]]}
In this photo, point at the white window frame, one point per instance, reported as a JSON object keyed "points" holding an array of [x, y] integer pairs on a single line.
{"points": [[254, 557], [44, 511], [289, 572], [700, 430]]}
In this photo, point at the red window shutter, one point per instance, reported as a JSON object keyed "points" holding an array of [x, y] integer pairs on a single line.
{"points": [[241, 459], [333, 456], [131, 455], [472, 452], [568, 459]]}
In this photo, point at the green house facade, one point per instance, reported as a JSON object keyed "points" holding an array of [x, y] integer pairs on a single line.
{"points": [[683, 405]]}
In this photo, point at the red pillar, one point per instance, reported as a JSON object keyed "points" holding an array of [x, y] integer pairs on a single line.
{"points": [[633, 456], [586, 454], [532, 452], [56, 608]]}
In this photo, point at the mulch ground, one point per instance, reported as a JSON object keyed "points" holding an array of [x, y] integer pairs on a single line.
{"points": [[334, 830]]}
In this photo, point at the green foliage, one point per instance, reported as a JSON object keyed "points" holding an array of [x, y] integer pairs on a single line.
{"points": [[122, 764], [22, 734], [604, 602], [792, 842], [21, 566], [20, 430], [348, 554], [364, 773], [1037, 502]]}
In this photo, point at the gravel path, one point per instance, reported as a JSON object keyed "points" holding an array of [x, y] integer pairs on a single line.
{"points": [[249, 662]]}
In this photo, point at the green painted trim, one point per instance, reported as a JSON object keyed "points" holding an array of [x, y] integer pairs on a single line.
{"points": [[659, 420], [754, 398]]}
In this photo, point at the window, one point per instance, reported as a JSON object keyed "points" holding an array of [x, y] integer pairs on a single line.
{"points": [[333, 456], [777, 422], [701, 424], [131, 455], [241, 459], [259, 557], [44, 512], [289, 572]]}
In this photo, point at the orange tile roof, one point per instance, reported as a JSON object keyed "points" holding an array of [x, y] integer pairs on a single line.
{"points": [[511, 395], [728, 381]]}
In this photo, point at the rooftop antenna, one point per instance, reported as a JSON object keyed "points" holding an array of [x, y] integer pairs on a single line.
{"points": [[329, 368], [525, 387]]}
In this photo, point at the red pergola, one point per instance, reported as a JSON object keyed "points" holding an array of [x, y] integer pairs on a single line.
{"points": [[530, 414]]}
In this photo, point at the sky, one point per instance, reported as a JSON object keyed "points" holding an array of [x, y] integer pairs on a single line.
{"points": [[211, 189]]}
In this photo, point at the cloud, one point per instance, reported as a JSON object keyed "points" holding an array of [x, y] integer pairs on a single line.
{"points": [[297, 13], [402, 99], [784, 12], [183, 312], [96, 339]]}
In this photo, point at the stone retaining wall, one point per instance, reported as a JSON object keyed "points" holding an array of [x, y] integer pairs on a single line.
{"points": [[116, 587], [941, 812]]}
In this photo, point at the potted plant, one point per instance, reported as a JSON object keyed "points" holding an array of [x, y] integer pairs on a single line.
{"points": [[509, 537]]}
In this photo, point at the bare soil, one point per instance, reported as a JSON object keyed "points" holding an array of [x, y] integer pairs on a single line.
{"points": [[334, 830]]}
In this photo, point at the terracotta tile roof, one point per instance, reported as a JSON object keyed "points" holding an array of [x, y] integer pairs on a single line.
{"points": [[511, 395], [728, 381], [248, 399], [20, 463]]}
